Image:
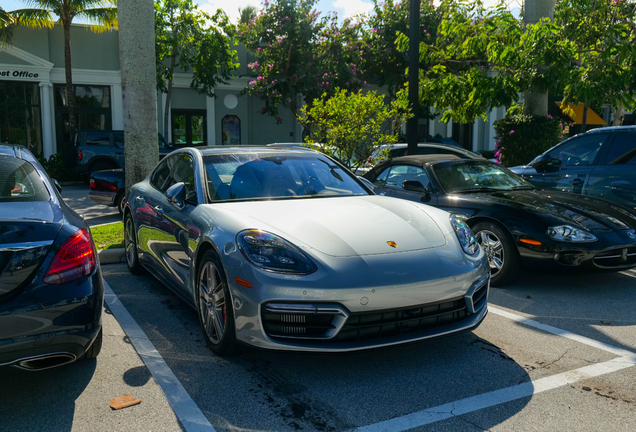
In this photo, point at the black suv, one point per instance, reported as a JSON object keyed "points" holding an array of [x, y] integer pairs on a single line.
{"points": [[97, 150], [600, 163]]}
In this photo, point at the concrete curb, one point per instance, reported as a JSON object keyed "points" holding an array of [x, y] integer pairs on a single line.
{"points": [[112, 256]]}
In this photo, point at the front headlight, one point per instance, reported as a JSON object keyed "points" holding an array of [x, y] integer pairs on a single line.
{"points": [[464, 235], [567, 233], [271, 252]]}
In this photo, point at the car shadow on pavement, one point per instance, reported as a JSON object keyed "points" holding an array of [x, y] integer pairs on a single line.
{"points": [[30, 399], [599, 306], [267, 390]]}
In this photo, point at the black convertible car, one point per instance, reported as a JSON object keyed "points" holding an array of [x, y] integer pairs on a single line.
{"points": [[515, 222]]}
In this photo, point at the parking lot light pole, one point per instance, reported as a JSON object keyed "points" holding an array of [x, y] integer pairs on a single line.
{"points": [[414, 69], [139, 83]]}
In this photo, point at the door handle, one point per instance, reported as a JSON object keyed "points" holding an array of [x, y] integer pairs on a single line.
{"points": [[140, 200], [382, 193], [577, 182], [158, 209]]}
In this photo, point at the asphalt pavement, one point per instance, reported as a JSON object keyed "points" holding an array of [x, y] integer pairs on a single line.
{"points": [[95, 214]]}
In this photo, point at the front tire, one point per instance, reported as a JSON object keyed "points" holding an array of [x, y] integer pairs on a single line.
{"points": [[216, 314], [503, 256], [130, 245]]}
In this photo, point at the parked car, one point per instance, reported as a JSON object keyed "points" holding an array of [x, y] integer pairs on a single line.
{"points": [[599, 163], [98, 150], [51, 287], [108, 187], [516, 223], [286, 249]]}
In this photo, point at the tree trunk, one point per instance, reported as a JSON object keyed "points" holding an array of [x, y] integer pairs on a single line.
{"points": [[139, 87], [619, 116], [584, 119], [66, 147], [166, 111], [535, 101]]}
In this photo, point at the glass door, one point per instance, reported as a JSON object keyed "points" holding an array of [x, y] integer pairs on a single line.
{"points": [[189, 127]]}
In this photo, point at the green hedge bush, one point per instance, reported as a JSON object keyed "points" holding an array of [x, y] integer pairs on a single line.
{"points": [[521, 138], [57, 169]]}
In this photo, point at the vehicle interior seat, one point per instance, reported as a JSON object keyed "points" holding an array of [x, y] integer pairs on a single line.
{"points": [[244, 184]]}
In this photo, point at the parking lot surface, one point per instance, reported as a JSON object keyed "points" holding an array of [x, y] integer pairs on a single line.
{"points": [[555, 353], [95, 214]]}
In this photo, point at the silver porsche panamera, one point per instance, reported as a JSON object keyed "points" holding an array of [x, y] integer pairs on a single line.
{"points": [[286, 249]]}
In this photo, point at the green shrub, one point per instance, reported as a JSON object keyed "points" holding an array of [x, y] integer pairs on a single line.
{"points": [[57, 169], [520, 138]]}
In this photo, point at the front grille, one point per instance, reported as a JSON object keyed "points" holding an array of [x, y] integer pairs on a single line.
{"points": [[301, 320], [375, 325], [616, 258], [480, 296]]}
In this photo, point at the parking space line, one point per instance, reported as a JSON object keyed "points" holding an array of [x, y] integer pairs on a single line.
{"points": [[556, 331], [182, 404], [497, 397]]}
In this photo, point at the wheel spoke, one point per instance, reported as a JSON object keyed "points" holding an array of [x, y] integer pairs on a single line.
{"points": [[497, 263], [497, 247]]}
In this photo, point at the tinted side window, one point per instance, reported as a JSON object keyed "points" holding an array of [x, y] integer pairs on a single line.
{"points": [[623, 150], [579, 151], [381, 179], [98, 138], [161, 178], [183, 171], [19, 181], [119, 139]]}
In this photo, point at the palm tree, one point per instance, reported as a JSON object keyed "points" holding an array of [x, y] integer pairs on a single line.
{"points": [[7, 24], [41, 13]]}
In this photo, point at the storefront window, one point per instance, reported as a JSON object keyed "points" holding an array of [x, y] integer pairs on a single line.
{"points": [[20, 118], [92, 110], [189, 127]]}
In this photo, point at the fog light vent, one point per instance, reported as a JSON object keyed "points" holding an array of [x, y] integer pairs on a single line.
{"points": [[293, 318], [294, 330]]}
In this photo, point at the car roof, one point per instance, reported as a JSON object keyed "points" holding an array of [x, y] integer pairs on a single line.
{"points": [[17, 151], [612, 129], [426, 159], [225, 149]]}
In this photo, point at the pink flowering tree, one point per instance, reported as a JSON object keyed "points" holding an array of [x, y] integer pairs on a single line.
{"points": [[299, 54]]}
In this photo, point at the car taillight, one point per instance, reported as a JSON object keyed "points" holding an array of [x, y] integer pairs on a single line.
{"points": [[74, 259], [80, 155], [91, 183]]}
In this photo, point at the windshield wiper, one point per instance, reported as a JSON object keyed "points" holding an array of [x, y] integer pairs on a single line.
{"points": [[523, 188], [482, 189]]}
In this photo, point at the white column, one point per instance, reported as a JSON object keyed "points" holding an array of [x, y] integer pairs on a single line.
{"points": [[431, 127], [492, 117], [48, 146], [211, 120], [449, 129], [118, 107], [475, 143], [162, 112]]}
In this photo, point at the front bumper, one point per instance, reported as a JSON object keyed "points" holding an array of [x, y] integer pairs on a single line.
{"points": [[50, 319], [613, 251], [362, 303]]}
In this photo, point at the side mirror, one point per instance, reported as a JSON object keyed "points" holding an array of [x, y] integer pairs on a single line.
{"points": [[57, 186], [176, 194], [414, 186], [366, 182], [541, 161]]}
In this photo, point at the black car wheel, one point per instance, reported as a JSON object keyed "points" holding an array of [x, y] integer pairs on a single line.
{"points": [[499, 247], [95, 348], [216, 314], [130, 245], [120, 202]]}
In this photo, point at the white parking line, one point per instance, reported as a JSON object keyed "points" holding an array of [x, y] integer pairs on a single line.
{"points": [[497, 397], [182, 404], [556, 331]]}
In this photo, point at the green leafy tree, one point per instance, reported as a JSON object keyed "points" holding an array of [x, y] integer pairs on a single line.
{"points": [[45, 13], [601, 36], [7, 25], [300, 55], [247, 14], [192, 40], [350, 126]]}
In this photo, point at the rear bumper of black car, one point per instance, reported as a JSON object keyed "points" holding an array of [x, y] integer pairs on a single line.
{"points": [[52, 321], [102, 197]]}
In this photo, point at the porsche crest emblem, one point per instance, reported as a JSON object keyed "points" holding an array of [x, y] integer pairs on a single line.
{"points": [[392, 244]]}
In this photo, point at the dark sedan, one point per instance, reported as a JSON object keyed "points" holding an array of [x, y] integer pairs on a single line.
{"points": [[515, 222], [108, 188], [51, 287], [600, 163]]}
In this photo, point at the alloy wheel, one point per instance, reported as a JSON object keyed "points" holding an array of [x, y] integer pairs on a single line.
{"points": [[129, 242], [494, 250], [212, 302]]}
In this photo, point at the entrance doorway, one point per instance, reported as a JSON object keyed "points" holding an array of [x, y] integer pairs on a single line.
{"points": [[189, 127], [20, 117], [463, 134]]}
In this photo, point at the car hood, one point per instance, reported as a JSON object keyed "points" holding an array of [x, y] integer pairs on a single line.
{"points": [[344, 226], [593, 214]]}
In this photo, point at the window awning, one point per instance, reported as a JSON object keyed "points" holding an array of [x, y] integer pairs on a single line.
{"points": [[592, 117]]}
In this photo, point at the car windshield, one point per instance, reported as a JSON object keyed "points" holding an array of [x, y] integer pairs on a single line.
{"points": [[472, 176], [19, 181], [247, 176]]}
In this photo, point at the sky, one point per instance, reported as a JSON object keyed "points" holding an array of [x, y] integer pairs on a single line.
{"points": [[344, 8]]}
